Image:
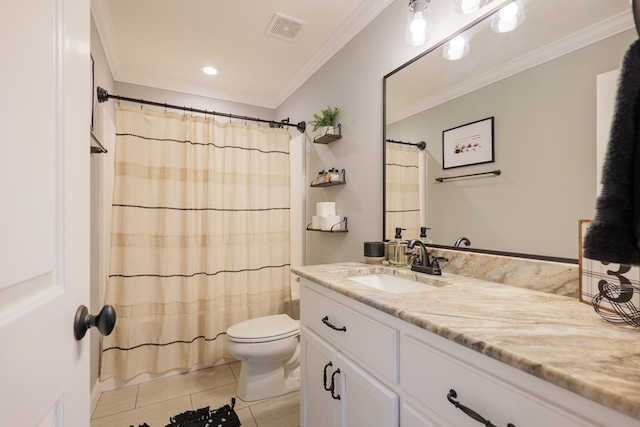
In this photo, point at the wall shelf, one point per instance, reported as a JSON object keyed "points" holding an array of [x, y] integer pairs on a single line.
{"points": [[341, 230], [329, 137], [320, 180]]}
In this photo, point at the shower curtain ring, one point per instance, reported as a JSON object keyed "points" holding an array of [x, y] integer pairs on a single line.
{"points": [[165, 108], [141, 103]]}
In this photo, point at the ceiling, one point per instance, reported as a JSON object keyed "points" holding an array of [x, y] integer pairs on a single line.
{"points": [[166, 43]]}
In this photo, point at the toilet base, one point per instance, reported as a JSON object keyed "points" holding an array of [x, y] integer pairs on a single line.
{"points": [[267, 380]]}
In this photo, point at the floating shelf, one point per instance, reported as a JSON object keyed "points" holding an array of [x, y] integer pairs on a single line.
{"points": [[344, 221], [340, 181], [329, 137], [329, 184]]}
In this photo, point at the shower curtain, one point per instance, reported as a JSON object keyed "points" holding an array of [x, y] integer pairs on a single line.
{"points": [[402, 190], [200, 237]]}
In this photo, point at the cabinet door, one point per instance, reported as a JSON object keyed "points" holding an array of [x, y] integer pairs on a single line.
{"points": [[365, 401], [318, 360]]}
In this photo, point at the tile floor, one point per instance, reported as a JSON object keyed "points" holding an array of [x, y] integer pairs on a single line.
{"points": [[154, 402]]}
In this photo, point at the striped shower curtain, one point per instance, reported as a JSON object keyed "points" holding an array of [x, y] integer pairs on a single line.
{"points": [[200, 237], [402, 204]]}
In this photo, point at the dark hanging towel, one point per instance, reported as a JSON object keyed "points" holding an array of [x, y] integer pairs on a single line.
{"points": [[614, 235]]}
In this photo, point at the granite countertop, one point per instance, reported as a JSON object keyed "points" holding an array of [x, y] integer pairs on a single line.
{"points": [[553, 337]]}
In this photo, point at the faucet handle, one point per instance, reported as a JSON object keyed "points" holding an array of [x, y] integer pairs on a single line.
{"points": [[412, 257], [435, 261]]}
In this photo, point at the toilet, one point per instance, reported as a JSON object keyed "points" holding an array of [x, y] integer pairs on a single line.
{"points": [[269, 350]]}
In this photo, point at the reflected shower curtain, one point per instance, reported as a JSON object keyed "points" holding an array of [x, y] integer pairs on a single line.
{"points": [[402, 190], [200, 237]]}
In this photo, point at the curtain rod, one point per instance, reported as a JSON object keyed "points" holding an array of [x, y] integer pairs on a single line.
{"points": [[421, 145], [104, 96]]}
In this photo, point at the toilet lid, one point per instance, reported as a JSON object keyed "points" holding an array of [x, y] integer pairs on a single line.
{"points": [[267, 328]]}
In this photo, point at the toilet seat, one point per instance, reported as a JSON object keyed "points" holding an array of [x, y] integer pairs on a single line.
{"points": [[264, 329]]}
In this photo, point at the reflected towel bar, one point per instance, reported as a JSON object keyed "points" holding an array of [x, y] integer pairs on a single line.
{"points": [[495, 172]]}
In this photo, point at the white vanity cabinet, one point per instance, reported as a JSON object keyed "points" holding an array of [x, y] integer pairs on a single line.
{"points": [[395, 373], [336, 391]]}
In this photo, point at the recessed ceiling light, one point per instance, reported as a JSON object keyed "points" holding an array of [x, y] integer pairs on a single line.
{"points": [[210, 71]]}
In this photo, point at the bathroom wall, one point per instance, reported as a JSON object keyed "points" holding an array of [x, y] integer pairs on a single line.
{"points": [[352, 80], [100, 196]]}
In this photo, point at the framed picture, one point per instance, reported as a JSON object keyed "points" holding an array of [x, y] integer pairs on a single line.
{"points": [[594, 273], [469, 144]]}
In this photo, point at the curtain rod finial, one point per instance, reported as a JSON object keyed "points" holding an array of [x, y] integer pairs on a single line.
{"points": [[103, 95]]}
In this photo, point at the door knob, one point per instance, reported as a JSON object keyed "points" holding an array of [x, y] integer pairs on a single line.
{"points": [[104, 321]]}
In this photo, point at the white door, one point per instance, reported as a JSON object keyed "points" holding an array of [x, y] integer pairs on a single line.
{"points": [[45, 99]]}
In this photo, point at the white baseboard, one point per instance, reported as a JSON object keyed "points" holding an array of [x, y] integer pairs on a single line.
{"points": [[96, 391], [115, 383]]}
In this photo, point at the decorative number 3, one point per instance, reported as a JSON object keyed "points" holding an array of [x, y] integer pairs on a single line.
{"points": [[626, 291]]}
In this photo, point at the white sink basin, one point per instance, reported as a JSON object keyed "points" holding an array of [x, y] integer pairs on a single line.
{"points": [[385, 282]]}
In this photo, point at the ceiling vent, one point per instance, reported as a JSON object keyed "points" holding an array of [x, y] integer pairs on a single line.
{"points": [[284, 27]]}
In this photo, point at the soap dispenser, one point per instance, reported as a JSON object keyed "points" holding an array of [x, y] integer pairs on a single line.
{"points": [[423, 235], [398, 250]]}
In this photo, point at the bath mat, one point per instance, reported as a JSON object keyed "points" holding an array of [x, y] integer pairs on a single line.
{"points": [[224, 416]]}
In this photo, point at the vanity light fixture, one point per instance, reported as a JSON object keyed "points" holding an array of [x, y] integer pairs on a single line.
{"points": [[209, 71], [508, 18], [456, 48], [418, 26], [469, 6]]}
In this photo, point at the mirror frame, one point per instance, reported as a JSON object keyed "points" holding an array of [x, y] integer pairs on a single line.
{"points": [[636, 11]]}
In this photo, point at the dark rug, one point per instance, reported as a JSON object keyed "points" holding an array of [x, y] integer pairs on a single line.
{"points": [[224, 416]]}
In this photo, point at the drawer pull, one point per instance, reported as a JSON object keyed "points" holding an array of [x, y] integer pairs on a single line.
{"points": [[324, 377], [325, 320], [470, 412], [333, 384]]}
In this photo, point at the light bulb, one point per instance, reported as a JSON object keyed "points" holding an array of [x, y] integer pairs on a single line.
{"points": [[508, 18], [469, 6], [457, 43], [418, 24], [456, 48], [509, 11]]}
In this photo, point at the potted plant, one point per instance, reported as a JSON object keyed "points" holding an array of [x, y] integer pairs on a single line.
{"points": [[325, 120]]}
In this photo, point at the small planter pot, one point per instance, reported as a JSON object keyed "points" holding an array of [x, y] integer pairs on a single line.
{"points": [[327, 130]]}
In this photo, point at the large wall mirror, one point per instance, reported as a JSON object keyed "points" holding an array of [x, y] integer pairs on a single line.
{"points": [[539, 84]]}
